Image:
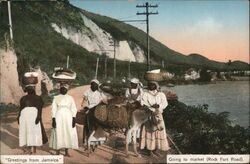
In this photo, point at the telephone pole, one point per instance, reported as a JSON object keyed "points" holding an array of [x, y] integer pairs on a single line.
{"points": [[96, 67], [129, 69], [114, 44], [147, 13], [10, 21]]}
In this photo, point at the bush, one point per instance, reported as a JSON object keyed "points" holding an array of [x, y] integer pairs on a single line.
{"points": [[205, 76], [197, 131]]}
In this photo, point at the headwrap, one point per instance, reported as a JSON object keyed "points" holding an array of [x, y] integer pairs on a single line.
{"points": [[64, 85], [30, 85], [136, 81], [95, 81]]}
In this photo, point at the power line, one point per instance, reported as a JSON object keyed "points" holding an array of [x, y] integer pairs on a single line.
{"points": [[128, 17], [147, 13]]}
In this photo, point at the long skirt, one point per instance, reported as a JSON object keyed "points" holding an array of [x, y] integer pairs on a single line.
{"points": [[64, 136], [153, 140], [30, 134]]}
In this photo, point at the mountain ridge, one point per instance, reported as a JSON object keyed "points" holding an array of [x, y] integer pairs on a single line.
{"points": [[36, 42], [181, 58]]}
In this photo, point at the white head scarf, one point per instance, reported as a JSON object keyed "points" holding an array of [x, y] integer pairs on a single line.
{"points": [[64, 85], [136, 81], [30, 85], [95, 81]]}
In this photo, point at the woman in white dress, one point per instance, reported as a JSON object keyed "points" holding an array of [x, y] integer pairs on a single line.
{"points": [[63, 121], [154, 133], [31, 130]]}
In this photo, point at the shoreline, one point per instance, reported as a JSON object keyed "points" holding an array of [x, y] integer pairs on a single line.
{"points": [[173, 83]]}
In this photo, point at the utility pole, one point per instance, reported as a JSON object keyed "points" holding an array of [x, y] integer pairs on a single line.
{"points": [[162, 63], [105, 67], [147, 13], [96, 68], [67, 61], [10, 21], [114, 44], [129, 70]]}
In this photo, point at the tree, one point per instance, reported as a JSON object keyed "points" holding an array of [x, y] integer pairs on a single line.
{"points": [[205, 76]]}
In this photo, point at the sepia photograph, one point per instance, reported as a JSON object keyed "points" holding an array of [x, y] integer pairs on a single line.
{"points": [[124, 81]]}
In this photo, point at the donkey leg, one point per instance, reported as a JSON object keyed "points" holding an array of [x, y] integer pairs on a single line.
{"points": [[128, 134], [89, 141], [134, 143]]}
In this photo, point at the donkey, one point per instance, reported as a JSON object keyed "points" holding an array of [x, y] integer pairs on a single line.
{"points": [[139, 117], [136, 116]]}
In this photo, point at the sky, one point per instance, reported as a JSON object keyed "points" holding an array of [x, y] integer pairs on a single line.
{"points": [[216, 29]]}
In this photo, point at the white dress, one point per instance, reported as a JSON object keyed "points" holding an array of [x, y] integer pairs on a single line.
{"points": [[157, 139], [63, 110], [29, 133]]}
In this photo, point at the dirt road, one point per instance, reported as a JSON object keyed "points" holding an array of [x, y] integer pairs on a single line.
{"points": [[111, 152]]}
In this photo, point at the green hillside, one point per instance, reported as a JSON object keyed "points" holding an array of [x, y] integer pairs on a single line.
{"points": [[37, 44]]}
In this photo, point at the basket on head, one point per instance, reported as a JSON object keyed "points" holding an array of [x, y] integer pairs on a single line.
{"points": [[154, 75], [64, 75], [30, 78]]}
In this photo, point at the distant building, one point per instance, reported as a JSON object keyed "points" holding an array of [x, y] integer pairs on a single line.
{"points": [[192, 74]]}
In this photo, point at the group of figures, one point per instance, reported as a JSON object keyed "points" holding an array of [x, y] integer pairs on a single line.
{"points": [[149, 130]]}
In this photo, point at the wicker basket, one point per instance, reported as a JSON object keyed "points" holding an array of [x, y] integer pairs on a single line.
{"points": [[30, 80], [117, 116], [153, 76], [63, 81], [101, 113], [65, 72]]}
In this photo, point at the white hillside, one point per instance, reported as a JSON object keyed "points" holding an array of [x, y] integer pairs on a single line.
{"points": [[10, 90], [124, 52], [95, 39]]}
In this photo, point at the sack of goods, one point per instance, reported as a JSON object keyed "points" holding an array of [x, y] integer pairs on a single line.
{"points": [[64, 75], [30, 78]]}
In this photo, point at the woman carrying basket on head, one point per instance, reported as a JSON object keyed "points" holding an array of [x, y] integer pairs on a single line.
{"points": [[154, 135], [31, 129], [63, 121]]}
